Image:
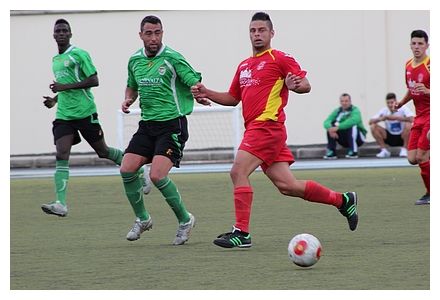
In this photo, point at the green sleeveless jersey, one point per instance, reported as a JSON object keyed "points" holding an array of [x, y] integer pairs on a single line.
{"points": [[74, 65], [163, 83]]}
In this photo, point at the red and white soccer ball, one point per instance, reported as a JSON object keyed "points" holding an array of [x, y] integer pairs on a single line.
{"points": [[304, 250]]}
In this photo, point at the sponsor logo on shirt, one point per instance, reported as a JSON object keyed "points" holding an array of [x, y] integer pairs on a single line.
{"points": [[246, 78], [411, 87], [150, 81]]}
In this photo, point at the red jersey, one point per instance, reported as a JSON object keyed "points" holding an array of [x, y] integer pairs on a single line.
{"points": [[419, 74], [259, 84]]}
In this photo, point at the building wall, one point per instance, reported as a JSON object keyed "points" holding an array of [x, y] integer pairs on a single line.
{"points": [[358, 52]]}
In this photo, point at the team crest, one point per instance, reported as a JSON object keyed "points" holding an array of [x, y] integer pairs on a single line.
{"points": [[162, 70], [66, 63], [420, 78], [261, 65]]}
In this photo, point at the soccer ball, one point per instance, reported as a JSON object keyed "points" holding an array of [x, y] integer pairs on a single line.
{"points": [[304, 250]]}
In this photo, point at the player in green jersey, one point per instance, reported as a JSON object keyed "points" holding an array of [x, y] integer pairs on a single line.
{"points": [[161, 78], [75, 75]]}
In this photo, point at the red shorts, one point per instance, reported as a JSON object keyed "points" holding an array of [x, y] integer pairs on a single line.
{"points": [[417, 136], [267, 141]]}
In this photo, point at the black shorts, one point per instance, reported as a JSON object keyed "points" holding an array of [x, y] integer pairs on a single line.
{"points": [[89, 128], [393, 140], [165, 138]]}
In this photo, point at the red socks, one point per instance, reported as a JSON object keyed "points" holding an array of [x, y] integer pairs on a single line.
{"points": [[315, 192], [243, 201], [424, 171]]}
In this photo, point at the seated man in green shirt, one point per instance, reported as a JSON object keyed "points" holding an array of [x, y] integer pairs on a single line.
{"points": [[344, 127]]}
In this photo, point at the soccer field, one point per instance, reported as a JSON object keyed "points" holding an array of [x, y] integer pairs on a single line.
{"points": [[88, 249]]}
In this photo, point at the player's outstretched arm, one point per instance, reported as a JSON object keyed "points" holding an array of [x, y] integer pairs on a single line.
{"points": [[199, 92]]}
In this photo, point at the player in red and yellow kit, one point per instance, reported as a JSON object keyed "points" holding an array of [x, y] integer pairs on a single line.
{"points": [[417, 77], [262, 83]]}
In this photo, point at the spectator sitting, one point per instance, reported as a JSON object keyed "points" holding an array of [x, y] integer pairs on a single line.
{"points": [[344, 126], [397, 127]]}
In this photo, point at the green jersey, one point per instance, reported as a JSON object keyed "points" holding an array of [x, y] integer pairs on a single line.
{"points": [[163, 83], [74, 65]]}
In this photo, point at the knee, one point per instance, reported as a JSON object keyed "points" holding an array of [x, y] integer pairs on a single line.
{"points": [[155, 178], [127, 168], [420, 159], [289, 189], [62, 154], [234, 174]]}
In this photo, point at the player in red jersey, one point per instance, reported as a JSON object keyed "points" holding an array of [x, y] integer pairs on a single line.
{"points": [[262, 83], [418, 82]]}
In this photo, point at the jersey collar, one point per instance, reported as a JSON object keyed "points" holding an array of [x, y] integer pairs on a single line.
{"points": [[68, 49], [423, 62], [264, 52], [157, 54]]}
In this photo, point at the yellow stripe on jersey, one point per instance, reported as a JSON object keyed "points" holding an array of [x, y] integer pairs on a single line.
{"points": [[427, 63], [424, 62], [264, 52], [273, 103]]}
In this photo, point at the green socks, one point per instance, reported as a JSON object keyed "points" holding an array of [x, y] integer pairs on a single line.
{"points": [[61, 178], [133, 190], [169, 190], [115, 155]]}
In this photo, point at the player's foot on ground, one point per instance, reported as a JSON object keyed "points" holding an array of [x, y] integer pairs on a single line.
{"points": [[330, 154], [423, 200], [233, 239], [349, 209], [55, 208], [139, 227], [351, 154], [184, 231]]}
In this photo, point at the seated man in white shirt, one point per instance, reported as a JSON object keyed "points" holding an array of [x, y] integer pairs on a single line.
{"points": [[397, 127]]}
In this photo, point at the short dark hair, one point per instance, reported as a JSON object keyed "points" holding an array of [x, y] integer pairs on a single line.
{"points": [[262, 16], [62, 21], [390, 96], [150, 19], [419, 34], [345, 95]]}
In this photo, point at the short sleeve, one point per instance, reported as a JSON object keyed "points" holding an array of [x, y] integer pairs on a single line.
{"points": [[289, 65], [131, 80], [85, 63]]}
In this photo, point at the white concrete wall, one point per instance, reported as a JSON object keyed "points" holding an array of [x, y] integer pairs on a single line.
{"points": [[359, 52]]}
